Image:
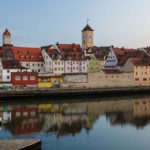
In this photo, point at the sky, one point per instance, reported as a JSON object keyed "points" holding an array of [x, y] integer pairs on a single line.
{"points": [[35, 23]]}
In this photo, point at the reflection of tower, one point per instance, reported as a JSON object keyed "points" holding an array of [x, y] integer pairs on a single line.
{"points": [[6, 38], [87, 37]]}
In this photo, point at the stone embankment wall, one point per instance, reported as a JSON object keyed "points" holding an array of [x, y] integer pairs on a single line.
{"points": [[102, 80]]}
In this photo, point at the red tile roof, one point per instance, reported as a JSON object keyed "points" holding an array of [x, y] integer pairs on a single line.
{"points": [[123, 55], [6, 52], [27, 54], [87, 28], [7, 32], [73, 51], [53, 53], [141, 61], [11, 64], [24, 73]]}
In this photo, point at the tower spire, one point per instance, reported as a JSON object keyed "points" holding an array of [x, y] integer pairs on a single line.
{"points": [[88, 20]]}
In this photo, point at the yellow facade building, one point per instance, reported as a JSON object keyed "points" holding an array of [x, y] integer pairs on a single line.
{"points": [[49, 81], [141, 71]]}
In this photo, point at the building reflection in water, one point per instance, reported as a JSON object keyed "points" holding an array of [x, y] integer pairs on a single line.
{"points": [[70, 118]]}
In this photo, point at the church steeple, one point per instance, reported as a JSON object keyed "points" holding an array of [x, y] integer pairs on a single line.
{"points": [[6, 38], [87, 37]]}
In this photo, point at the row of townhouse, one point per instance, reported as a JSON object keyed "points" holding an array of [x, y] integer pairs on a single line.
{"points": [[64, 58]]}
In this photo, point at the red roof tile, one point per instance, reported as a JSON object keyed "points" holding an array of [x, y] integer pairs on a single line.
{"points": [[71, 51], [11, 64], [87, 28], [7, 32], [24, 73], [141, 61], [27, 54]]}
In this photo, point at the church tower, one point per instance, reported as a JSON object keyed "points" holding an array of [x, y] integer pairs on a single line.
{"points": [[6, 38], [87, 37]]}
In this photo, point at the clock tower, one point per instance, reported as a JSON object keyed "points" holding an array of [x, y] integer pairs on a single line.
{"points": [[87, 37]]}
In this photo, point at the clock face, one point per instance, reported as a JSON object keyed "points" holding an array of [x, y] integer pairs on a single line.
{"points": [[90, 36]]}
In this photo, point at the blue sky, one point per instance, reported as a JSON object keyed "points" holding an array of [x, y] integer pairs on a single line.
{"points": [[42, 22]]}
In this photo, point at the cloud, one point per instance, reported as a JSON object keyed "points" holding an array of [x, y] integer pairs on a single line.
{"points": [[18, 43]]}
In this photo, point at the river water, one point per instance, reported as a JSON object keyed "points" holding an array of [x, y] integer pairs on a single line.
{"points": [[108, 124]]}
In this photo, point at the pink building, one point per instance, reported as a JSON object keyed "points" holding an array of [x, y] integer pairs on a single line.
{"points": [[75, 61]]}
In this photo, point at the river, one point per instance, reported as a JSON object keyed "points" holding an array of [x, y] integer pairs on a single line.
{"points": [[106, 124]]}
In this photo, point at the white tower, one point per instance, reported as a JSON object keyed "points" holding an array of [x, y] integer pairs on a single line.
{"points": [[6, 38]]}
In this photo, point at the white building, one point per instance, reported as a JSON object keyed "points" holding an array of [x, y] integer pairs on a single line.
{"points": [[7, 66], [54, 62]]}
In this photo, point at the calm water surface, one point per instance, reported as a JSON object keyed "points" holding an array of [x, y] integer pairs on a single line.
{"points": [[107, 125]]}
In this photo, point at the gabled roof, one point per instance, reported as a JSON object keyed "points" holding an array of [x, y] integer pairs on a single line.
{"points": [[11, 64], [28, 54], [123, 54], [52, 52], [87, 28], [141, 61], [6, 32], [74, 51]]}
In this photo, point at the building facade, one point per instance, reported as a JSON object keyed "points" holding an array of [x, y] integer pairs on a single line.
{"points": [[73, 55], [54, 62], [7, 67], [141, 71], [27, 79], [30, 58]]}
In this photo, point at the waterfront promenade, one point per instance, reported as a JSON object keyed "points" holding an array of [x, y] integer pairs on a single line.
{"points": [[64, 93]]}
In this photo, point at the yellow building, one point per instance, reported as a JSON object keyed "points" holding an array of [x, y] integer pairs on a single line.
{"points": [[50, 108], [49, 81], [102, 64], [87, 37], [141, 71]]}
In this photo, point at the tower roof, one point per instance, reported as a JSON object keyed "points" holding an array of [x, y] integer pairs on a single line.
{"points": [[87, 28], [7, 32]]}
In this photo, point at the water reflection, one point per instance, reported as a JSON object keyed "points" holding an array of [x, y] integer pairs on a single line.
{"points": [[64, 119]]}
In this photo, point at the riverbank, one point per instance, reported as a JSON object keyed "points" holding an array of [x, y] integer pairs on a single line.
{"points": [[74, 93]]}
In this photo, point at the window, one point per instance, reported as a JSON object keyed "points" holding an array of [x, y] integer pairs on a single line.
{"points": [[62, 69], [25, 114], [8, 71], [25, 77], [32, 78], [32, 64], [50, 63], [144, 79], [18, 114], [27, 64], [58, 63], [136, 79], [8, 77], [32, 113], [55, 62], [55, 69]]}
